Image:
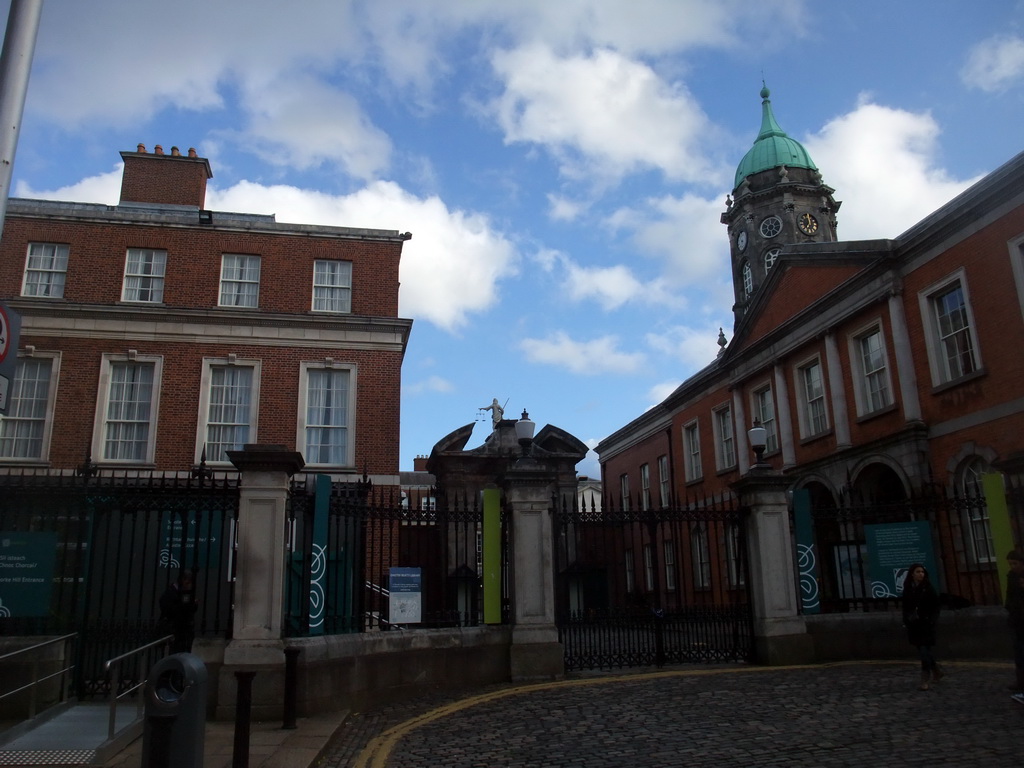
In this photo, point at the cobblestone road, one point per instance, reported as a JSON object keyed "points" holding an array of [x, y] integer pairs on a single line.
{"points": [[832, 715]]}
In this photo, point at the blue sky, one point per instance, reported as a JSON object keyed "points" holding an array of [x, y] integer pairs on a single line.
{"points": [[561, 165]]}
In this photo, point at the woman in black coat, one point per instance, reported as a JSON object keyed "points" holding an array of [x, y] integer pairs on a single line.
{"points": [[920, 615]]}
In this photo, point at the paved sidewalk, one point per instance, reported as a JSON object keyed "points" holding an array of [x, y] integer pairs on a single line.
{"points": [[830, 715], [269, 745]]}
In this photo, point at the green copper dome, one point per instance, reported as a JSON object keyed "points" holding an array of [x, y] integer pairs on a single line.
{"points": [[772, 147]]}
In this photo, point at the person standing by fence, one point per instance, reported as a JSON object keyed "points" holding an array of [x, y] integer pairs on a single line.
{"points": [[920, 616], [178, 612], [1015, 608]]}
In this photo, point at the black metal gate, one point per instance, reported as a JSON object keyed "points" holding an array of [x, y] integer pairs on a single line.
{"points": [[118, 541], [652, 587]]}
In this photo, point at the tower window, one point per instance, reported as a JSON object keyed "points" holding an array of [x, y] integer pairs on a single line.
{"points": [[769, 258], [771, 226], [748, 280]]}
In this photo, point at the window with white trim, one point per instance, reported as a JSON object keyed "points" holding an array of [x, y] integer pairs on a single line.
{"points": [[669, 551], [144, 270], [949, 330], [25, 430], [128, 403], [648, 568], [332, 286], [975, 520], [645, 487], [725, 442], [228, 406], [691, 446], [748, 279], [700, 554], [664, 481], [764, 412], [624, 491], [734, 555], [46, 267], [239, 280], [811, 386], [326, 413], [873, 389]]}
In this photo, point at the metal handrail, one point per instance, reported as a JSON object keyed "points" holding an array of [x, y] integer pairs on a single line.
{"points": [[116, 664], [35, 671]]}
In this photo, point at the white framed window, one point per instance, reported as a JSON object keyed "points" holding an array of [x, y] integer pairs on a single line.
{"points": [[949, 329], [770, 257], [144, 270], [228, 406], [327, 397], [630, 577], [872, 385], [648, 568], [691, 447], [46, 267], [127, 408], [725, 441], [975, 521], [700, 554], [25, 430], [669, 552], [624, 491], [811, 389], [239, 280], [764, 412], [664, 481], [332, 286], [748, 279], [734, 554], [645, 487]]}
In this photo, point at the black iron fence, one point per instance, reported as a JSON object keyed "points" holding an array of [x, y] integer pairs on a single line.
{"points": [[349, 541], [638, 587], [958, 534], [93, 553]]}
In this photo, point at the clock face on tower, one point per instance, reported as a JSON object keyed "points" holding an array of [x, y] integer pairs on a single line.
{"points": [[741, 240], [807, 223], [771, 226]]}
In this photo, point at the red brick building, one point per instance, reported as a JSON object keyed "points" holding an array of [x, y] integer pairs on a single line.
{"points": [[876, 367], [156, 331]]}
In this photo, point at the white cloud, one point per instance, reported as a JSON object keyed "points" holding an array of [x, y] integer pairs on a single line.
{"points": [[591, 358], [564, 209], [884, 161], [430, 384], [600, 114], [995, 64], [693, 347], [298, 121], [659, 392], [449, 270], [105, 188]]}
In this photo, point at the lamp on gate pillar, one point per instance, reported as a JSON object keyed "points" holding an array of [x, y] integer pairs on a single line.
{"points": [[758, 437], [524, 432]]}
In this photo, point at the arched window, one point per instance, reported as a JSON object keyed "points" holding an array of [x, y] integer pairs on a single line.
{"points": [[748, 280], [978, 532], [769, 258]]}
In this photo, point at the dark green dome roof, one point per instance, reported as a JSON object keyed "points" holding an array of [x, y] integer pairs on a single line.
{"points": [[772, 147]]}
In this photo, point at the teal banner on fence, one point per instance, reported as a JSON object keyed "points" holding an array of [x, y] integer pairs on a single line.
{"points": [[200, 549], [318, 557], [892, 547], [26, 573], [806, 553]]}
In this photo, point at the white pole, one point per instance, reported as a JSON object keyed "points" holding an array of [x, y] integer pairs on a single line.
{"points": [[15, 66]]}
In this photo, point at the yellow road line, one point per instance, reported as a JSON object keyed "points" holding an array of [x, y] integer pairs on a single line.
{"points": [[376, 753]]}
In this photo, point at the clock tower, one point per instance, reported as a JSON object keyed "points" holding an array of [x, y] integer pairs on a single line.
{"points": [[778, 198]]}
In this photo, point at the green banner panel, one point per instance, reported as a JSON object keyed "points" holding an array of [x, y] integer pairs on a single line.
{"points": [[999, 523], [318, 557], [806, 553], [891, 548], [26, 573], [492, 556]]}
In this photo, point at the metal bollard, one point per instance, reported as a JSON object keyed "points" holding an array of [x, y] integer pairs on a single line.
{"points": [[243, 719], [291, 673], [175, 718]]}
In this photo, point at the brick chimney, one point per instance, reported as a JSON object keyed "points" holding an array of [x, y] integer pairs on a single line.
{"points": [[171, 179], [419, 463]]}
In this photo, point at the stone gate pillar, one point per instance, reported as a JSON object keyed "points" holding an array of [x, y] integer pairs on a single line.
{"points": [[258, 617], [536, 652], [780, 634]]}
